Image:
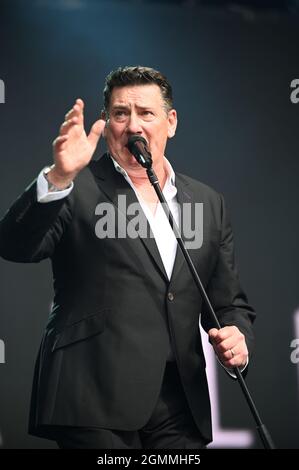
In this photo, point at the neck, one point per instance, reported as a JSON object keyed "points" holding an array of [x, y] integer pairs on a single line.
{"points": [[140, 179]]}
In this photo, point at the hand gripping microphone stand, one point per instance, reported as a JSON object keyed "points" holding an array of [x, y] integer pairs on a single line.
{"points": [[137, 145]]}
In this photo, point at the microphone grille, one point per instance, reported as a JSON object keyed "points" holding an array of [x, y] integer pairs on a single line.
{"points": [[136, 138]]}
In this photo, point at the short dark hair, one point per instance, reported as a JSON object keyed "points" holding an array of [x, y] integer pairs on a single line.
{"points": [[137, 75]]}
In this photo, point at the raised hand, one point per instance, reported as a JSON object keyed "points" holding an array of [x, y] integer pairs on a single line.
{"points": [[73, 148]]}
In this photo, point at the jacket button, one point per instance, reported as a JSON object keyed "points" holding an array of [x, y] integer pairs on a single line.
{"points": [[170, 296]]}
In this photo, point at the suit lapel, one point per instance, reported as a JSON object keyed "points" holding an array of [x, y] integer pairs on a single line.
{"points": [[113, 184], [184, 195]]}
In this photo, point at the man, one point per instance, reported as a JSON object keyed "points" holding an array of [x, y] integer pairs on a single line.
{"points": [[121, 362]]}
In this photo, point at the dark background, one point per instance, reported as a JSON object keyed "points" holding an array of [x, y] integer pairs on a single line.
{"points": [[231, 66]]}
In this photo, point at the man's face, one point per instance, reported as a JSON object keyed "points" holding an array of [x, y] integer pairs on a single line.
{"points": [[138, 110]]}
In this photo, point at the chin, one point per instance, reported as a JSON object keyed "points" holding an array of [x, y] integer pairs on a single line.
{"points": [[133, 162], [130, 159]]}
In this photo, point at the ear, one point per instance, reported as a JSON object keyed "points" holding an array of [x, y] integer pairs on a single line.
{"points": [[172, 123]]}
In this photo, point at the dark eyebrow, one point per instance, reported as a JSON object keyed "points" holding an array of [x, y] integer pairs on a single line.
{"points": [[122, 106], [144, 107]]}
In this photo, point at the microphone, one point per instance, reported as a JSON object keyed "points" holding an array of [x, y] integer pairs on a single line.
{"points": [[137, 145]]}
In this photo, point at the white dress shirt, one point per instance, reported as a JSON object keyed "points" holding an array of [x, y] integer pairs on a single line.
{"points": [[162, 231]]}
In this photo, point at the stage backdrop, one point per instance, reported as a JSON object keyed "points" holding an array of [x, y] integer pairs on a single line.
{"points": [[238, 132]]}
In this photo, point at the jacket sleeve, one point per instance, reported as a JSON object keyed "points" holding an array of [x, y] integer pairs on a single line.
{"points": [[224, 290], [30, 230]]}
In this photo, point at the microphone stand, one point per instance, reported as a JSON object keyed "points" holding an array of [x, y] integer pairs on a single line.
{"points": [[262, 430]]}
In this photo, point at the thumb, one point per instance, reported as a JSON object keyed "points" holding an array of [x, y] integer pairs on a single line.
{"points": [[95, 132]]}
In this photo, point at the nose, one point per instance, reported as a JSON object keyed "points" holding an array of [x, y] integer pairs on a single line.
{"points": [[133, 124]]}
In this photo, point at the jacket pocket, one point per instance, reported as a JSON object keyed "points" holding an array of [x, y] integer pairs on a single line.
{"points": [[90, 325]]}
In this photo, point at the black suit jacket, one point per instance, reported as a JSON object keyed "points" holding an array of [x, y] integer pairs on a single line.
{"points": [[104, 349]]}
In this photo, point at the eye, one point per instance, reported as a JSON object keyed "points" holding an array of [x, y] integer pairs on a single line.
{"points": [[120, 114], [147, 115]]}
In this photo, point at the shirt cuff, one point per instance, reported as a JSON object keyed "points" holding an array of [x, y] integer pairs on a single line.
{"points": [[43, 195], [230, 370]]}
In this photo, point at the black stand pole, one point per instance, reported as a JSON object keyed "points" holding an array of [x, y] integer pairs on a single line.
{"points": [[262, 430]]}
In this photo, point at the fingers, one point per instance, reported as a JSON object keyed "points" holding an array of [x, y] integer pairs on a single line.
{"points": [[76, 110], [59, 142], [225, 338], [232, 359], [72, 129], [229, 345], [66, 126], [73, 117], [213, 334]]}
